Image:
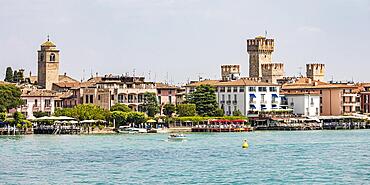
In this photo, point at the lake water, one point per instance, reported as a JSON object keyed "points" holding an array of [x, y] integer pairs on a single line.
{"points": [[300, 157]]}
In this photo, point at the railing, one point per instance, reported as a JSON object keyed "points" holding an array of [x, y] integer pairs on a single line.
{"points": [[235, 102], [222, 101], [36, 108], [228, 101]]}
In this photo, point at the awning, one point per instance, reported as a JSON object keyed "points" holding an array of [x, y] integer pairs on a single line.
{"points": [[252, 106], [274, 105], [275, 96], [252, 95]]}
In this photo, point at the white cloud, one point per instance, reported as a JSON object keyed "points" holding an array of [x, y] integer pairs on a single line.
{"points": [[311, 29]]}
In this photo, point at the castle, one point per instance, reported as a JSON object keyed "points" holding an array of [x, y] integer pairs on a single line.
{"points": [[261, 67]]}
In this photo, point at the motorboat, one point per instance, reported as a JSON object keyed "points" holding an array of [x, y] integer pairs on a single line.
{"points": [[131, 130], [178, 137]]}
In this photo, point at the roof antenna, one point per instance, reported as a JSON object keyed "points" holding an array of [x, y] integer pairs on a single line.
{"points": [[48, 38], [265, 33]]}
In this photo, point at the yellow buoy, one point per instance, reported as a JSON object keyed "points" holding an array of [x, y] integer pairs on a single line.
{"points": [[245, 144]]}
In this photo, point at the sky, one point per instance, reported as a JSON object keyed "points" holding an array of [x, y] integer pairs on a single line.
{"points": [[175, 41]]}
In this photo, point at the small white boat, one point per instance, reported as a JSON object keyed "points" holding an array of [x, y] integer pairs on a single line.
{"points": [[131, 130], [177, 137]]}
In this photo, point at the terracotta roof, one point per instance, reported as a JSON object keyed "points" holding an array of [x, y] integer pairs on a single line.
{"points": [[306, 83], [73, 84], [65, 78], [299, 93], [239, 82], [38, 93], [165, 86], [95, 79]]}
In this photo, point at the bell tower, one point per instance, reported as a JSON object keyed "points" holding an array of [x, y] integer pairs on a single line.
{"points": [[260, 52], [48, 65]]}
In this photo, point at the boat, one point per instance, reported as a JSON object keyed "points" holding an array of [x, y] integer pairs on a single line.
{"points": [[177, 137], [131, 130]]}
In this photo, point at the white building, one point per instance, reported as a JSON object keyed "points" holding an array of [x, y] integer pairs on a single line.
{"points": [[304, 103], [37, 100], [243, 95]]}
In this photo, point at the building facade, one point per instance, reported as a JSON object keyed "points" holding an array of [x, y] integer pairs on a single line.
{"points": [[260, 52], [304, 104], [316, 72], [365, 98], [37, 100], [243, 95]]}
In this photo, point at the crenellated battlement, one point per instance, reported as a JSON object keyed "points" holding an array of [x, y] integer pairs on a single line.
{"points": [[315, 66], [230, 72], [273, 66], [315, 71], [260, 43]]}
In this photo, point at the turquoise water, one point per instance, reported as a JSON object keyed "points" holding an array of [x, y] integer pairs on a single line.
{"points": [[312, 157]]}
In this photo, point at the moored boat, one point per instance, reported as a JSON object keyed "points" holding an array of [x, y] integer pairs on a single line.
{"points": [[178, 137]]}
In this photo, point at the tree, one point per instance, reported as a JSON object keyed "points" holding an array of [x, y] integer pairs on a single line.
{"points": [[10, 97], [219, 112], [2, 116], [18, 119], [119, 117], [15, 76], [120, 107], [205, 100], [84, 112], [9, 75], [186, 110], [169, 109], [40, 114], [136, 117], [150, 105], [237, 113]]}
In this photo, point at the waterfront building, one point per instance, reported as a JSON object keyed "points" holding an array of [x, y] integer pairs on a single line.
{"points": [[243, 95], [335, 99], [169, 94], [303, 103], [37, 100], [111, 90], [365, 98]]}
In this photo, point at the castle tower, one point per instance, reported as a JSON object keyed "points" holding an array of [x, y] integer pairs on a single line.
{"points": [[48, 65], [315, 71], [272, 72], [259, 50], [230, 72]]}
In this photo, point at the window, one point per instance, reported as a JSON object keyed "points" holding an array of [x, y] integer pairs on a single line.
{"points": [[112, 97], [312, 102], [121, 98], [241, 89], [36, 103], [235, 89], [86, 98], [47, 103], [235, 97], [91, 98], [252, 89], [170, 99], [229, 97], [262, 98], [169, 92], [98, 97], [223, 97], [262, 89], [222, 89], [159, 100], [228, 89], [273, 89], [52, 57], [159, 91]]}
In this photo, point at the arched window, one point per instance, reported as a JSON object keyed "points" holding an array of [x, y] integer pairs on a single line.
{"points": [[52, 57]]}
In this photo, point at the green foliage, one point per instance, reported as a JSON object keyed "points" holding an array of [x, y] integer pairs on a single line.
{"points": [[150, 105], [9, 75], [40, 114], [84, 112], [101, 127], [237, 113], [10, 97], [136, 117], [120, 107], [205, 100], [119, 117], [18, 117], [186, 110], [219, 112], [2, 116], [169, 109]]}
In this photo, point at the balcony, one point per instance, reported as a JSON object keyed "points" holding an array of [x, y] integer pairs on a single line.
{"points": [[235, 102], [349, 94], [36, 109], [228, 101], [351, 103], [47, 108], [222, 101], [24, 108]]}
